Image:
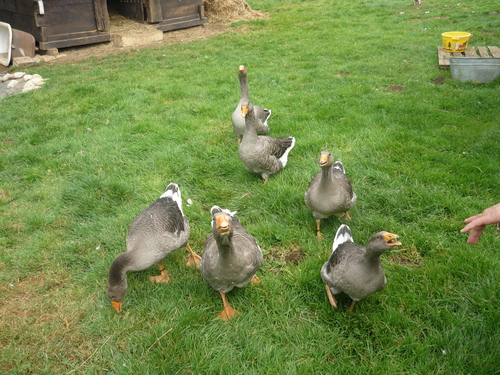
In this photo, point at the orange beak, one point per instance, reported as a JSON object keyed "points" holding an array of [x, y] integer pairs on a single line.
{"points": [[244, 110], [241, 68], [117, 306], [390, 238], [323, 159], [222, 224]]}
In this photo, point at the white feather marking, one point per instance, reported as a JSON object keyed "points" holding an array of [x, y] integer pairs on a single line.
{"points": [[230, 213], [343, 235], [173, 192], [338, 165], [284, 158]]}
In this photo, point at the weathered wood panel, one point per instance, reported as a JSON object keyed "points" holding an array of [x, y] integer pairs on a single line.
{"points": [[178, 14], [101, 15], [57, 23]]}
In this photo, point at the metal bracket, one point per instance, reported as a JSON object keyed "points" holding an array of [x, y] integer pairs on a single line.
{"points": [[41, 8]]}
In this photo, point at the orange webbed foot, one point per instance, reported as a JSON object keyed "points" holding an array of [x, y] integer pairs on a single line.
{"points": [[163, 278], [194, 259], [228, 313], [331, 298]]}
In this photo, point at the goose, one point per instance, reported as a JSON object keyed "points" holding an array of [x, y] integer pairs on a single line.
{"points": [[156, 232], [329, 192], [354, 269], [231, 257], [262, 154], [238, 120]]}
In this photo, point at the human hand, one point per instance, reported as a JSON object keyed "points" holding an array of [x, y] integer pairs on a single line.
{"points": [[477, 223]]}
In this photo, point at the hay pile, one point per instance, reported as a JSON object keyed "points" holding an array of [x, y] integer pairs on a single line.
{"points": [[227, 11]]}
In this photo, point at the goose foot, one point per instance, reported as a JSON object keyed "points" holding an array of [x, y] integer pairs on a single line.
{"points": [[331, 298], [255, 280], [228, 313], [194, 259], [346, 216], [162, 277]]}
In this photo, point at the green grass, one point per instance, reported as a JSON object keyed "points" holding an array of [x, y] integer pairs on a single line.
{"points": [[81, 157]]}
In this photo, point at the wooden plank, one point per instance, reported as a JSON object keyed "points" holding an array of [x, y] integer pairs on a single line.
{"points": [[443, 57], [470, 52], [101, 15], [153, 11], [75, 41], [495, 51], [483, 51]]}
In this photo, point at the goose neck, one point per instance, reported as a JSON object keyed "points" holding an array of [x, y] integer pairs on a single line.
{"points": [[119, 268], [244, 87]]}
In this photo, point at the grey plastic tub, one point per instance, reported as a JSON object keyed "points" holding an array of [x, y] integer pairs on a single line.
{"points": [[478, 69]]}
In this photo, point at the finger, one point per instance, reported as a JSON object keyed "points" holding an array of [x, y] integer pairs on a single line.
{"points": [[469, 219], [474, 235]]}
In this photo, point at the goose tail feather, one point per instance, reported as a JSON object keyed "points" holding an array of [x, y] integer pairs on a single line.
{"points": [[343, 235]]}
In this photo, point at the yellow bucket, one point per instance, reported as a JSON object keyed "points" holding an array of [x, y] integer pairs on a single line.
{"points": [[455, 41]]}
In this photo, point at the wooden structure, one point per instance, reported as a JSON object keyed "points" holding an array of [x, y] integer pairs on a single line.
{"points": [[443, 56], [67, 23], [59, 23], [169, 14]]}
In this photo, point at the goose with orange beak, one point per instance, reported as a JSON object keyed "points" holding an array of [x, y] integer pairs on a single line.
{"points": [[231, 257], [262, 154], [262, 114], [157, 231], [355, 269], [330, 191]]}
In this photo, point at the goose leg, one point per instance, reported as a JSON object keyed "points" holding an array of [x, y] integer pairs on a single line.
{"points": [[318, 229], [331, 298], [351, 308], [162, 277], [194, 259], [346, 216], [265, 180], [228, 312]]}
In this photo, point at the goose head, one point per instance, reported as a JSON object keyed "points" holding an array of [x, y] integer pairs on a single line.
{"points": [[325, 159], [383, 241], [242, 70], [222, 220], [116, 293], [246, 107]]}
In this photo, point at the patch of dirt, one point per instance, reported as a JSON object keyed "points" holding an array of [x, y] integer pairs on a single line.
{"points": [[220, 14], [280, 257]]}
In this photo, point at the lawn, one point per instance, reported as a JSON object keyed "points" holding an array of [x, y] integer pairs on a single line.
{"points": [[82, 156]]}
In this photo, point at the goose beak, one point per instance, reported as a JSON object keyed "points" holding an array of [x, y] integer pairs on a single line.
{"points": [[241, 69], [117, 306], [390, 238], [323, 160], [222, 224], [244, 110]]}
